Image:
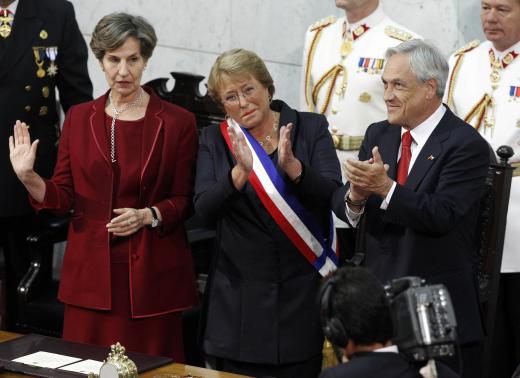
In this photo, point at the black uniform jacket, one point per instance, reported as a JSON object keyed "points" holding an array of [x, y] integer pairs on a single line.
{"points": [[41, 28]]}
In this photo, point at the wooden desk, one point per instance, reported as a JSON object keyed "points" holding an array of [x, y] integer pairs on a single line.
{"points": [[180, 369]]}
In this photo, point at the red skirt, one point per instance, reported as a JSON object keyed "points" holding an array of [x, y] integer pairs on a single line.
{"points": [[157, 335]]}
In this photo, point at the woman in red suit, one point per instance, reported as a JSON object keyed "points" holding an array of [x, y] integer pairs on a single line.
{"points": [[126, 169]]}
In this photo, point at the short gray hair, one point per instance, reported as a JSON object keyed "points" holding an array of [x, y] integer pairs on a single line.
{"points": [[114, 29], [426, 62]]}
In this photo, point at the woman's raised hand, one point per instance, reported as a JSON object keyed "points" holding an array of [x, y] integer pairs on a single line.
{"points": [[21, 152]]}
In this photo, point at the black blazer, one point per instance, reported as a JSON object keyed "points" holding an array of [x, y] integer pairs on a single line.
{"points": [[381, 365], [262, 299], [428, 229], [25, 96]]}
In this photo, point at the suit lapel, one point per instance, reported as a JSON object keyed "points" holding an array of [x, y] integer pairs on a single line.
{"points": [[97, 127], [389, 148], [25, 32], [153, 125], [430, 152]]}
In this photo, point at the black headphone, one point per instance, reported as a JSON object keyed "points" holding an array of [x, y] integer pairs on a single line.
{"points": [[333, 328]]}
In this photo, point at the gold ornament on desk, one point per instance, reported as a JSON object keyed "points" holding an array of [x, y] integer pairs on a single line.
{"points": [[117, 364]]}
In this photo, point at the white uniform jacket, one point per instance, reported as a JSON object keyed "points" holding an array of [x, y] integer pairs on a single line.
{"points": [[348, 89], [496, 114]]}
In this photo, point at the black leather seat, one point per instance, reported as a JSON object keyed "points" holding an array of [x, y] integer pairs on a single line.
{"points": [[490, 236]]}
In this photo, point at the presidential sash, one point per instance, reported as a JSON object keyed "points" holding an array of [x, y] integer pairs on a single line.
{"points": [[294, 220]]}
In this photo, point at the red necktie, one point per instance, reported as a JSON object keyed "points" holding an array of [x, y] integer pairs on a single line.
{"points": [[406, 156]]}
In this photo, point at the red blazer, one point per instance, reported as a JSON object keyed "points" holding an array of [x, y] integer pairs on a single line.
{"points": [[161, 268]]}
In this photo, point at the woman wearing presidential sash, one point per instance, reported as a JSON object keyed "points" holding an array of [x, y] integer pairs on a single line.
{"points": [[265, 176]]}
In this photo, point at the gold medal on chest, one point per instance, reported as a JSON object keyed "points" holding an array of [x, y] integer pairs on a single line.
{"points": [[346, 48]]}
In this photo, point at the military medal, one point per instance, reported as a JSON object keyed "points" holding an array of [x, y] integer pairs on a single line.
{"points": [[346, 48], [51, 53], [6, 20], [40, 72], [496, 66], [39, 56]]}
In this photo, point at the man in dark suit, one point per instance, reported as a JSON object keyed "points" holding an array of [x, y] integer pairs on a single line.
{"points": [[356, 319], [41, 49], [420, 198]]}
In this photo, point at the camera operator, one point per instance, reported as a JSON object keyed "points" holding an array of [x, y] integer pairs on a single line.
{"points": [[356, 319]]}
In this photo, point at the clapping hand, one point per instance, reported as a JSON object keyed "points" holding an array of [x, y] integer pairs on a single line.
{"points": [[21, 152], [286, 159], [369, 176], [242, 152], [243, 156]]}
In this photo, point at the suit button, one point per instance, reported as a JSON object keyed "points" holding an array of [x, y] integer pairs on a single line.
{"points": [[28, 108], [27, 88]]}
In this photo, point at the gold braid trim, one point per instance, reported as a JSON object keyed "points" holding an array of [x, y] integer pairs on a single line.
{"points": [[331, 74], [318, 27], [310, 57], [479, 110], [453, 79], [455, 72]]}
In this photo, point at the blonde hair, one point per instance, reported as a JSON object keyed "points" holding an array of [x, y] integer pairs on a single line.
{"points": [[238, 63]]}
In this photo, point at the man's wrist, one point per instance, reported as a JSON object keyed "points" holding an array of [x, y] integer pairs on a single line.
{"points": [[353, 200], [386, 187]]}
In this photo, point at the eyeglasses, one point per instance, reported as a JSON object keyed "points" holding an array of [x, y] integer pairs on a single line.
{"points": [[232, 99]]}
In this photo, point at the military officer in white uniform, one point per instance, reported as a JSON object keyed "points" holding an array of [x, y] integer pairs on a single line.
{"points": [[484, 90], [341, 72]]}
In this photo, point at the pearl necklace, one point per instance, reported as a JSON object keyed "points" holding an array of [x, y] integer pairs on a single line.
{"points": [[117, 112]]}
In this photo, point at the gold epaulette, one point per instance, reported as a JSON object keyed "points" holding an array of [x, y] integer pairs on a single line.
{"points": [[397, 33], [470, 46], [323, 23]]}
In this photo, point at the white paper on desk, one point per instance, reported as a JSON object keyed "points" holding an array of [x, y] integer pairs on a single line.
{"points": [[84, 367], [46, 360]]}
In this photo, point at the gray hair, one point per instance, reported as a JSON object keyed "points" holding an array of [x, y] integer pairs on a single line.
{"points": [[114, 29], [426, 62]]}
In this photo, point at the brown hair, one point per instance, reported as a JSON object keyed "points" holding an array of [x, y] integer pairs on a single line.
{"points": [[238, 63], [114, 29]]}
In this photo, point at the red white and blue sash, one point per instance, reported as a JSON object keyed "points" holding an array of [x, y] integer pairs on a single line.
{"points": [[287, 211]]}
